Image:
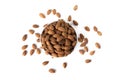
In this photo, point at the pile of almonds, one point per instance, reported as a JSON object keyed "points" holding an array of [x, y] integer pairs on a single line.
{"points": [[58, 38]]}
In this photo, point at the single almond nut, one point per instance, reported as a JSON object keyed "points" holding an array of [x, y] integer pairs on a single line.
{"points": [[49, 11], [24, 37], [98, 45], [58, 14], [32, 52], [87, 60], [42, 15], [45, 63], [38, 50], [31, 31], [82, 51], [35, 26], [51, 32], [75, 7], [24, 47], [69, 18], [92, 52], [34, 46], [61, 29], [75, 22], [51, 70], [24, 53], [37, 35], [64, 64], [87, 28], [83, 44], [86, 48], [38, 40], [95, 28], [54, 11], [99, 33]]}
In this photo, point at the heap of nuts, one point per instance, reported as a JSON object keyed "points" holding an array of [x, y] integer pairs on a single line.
{"points": [[59, 38]]}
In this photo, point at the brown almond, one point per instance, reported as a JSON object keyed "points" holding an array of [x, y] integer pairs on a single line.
{"points": [[69, 18], [92, 52], [51, 32], [97, 45], [61, 29], [64, 64], [82, 51], [49, 11], [58, 14], [57, 46], [56, 35], [75, 7], [86, 48], [54, 11], [38, 50], [37, 35], [80, 40], [87, 60], [24, 53], [24, 37], [45, 63], [75, 22], [34, 46], [95, 28], [38, 40], [83, 44], [32, 52], [99, 33], [87, 28], [35, 26], [42, 15], [51, 70], [24, 47], [31, 31], [71, 37], [85, 40]]}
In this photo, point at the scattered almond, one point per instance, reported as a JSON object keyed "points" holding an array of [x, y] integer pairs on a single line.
{"points": [[31, 31], [38, 50], [49, 11], [88, 60], [87, 28], [99, 33], [32, 52], [51, 70], [82, 51], [69, 18], [42, 15], [97, 45], [35, 26], [58, 14], [86, 48], [54, 11], [24, 47], [34, 46], [95, 28], [64, 64], [92, 52], [24, 53], [45, 63], [37, 35], [75, 22], [75, 7], [24, 37]]}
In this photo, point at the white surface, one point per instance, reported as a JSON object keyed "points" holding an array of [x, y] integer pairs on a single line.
{"points": [[17, 16]]}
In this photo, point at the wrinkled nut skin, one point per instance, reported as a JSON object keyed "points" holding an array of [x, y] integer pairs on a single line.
{"points": [[58, 38]]}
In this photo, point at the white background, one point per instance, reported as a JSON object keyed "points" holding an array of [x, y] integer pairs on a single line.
{"points": [[17, 16]]}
